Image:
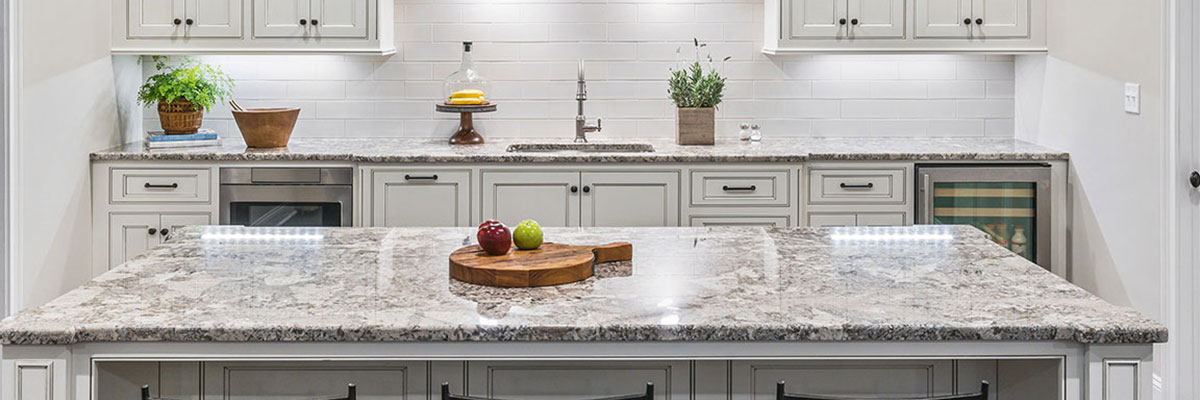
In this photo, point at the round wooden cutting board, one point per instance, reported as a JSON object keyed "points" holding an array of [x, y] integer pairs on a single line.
{"points": [[551, 264]]}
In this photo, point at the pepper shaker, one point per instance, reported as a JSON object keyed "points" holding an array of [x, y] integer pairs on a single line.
{"points": [[744, 134], [755, 133]]}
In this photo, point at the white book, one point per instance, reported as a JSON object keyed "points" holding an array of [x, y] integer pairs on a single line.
{"points": [[182, 144]]}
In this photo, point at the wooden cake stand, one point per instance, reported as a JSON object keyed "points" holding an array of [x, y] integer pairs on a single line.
{"points": [[466, 133]]}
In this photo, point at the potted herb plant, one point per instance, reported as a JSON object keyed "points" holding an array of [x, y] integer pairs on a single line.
{"points": [[696, 94], [183, 92]]}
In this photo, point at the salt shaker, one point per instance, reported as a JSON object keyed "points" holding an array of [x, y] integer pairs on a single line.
{"points": [[755, 133], [744, 134]]}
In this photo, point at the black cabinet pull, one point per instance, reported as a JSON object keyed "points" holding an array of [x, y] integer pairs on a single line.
{"points": [[1195, 179], [854, 21], [153, 231], [750, 188], [967, 21], [420, 178], [587, 189], [178, 21], [862, 186], [842, 21], [574, 189], [164, 232], [314, 22], [189, 21], [304, 22], [153, 186], [979, 21]]}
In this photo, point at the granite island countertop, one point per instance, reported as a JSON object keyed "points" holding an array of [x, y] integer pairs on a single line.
{"points": [[400, 150], [925, 283]]}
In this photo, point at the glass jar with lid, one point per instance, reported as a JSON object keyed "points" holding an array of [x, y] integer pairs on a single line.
{"points": [[467, 86]]}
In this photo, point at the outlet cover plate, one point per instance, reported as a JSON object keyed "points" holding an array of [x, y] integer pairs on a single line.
{"points": [[1133, 98]]}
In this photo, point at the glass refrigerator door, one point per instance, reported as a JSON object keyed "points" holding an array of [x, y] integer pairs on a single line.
{"points": [[1005, 210]]}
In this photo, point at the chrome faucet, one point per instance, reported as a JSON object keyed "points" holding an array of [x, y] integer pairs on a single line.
{"points": [[581, 126]]}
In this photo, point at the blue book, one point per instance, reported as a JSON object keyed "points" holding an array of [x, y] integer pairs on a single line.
{"points": [[202, 135]]}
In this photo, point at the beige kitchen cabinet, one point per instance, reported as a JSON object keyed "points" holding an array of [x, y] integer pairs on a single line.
{"points": [[964, 19], [725, 220], [826, 220], [417, 198], [845, 19], [756, 379], [184, 18], [578, 379], [131, 234], [814, 18], [582, 199], [624, 199], [375, 380], [310, 18]]}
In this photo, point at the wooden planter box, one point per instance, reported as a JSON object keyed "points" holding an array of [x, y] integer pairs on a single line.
{"points": [[695, 126]]}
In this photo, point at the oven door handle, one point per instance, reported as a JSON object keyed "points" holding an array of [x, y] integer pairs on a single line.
{"points": [[926, 199]]}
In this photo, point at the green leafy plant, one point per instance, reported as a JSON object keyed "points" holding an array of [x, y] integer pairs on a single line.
{"points": [[199, 83], [692, 87]]}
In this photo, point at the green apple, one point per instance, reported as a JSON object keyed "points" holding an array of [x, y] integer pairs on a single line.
{"points": [[528, 235]]}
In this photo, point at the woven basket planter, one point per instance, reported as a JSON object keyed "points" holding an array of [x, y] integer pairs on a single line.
{"points": [[180, 117]]}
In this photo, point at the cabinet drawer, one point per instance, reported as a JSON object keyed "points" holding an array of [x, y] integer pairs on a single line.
{"points": [[740, 188], [882, 186], [765, 221], [160, 185], [578, 379], [824, 220], [375, 380]]}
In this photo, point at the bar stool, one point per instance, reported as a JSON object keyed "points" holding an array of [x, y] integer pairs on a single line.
{"points": [[649, 395], [981, 395]]}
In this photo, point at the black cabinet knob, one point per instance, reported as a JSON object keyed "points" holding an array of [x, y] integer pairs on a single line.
{"points": [[854, 21], [967, 21], [315, 22], [304, 22], [978, 21], [189, 21], [842, 21], [574, 189], [153, 231], [587, 189], [1195, 179], [164, 232], [178, 21]]}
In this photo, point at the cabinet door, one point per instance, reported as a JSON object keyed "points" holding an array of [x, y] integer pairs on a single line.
{"points": [[943, 18], [172, 222], [880, 219], [877, 18], [754, 379], [766, 221], [420, 198], [214, 18], [814, 19], [375, 380], [281, 18], [623, 199], [577, 379], [816, 220], [130, 235], [1001, 18], [339, 18], [547, 197], [156, 18]]}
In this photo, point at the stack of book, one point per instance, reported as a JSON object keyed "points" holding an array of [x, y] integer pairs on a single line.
{"points": [[160, 140]]}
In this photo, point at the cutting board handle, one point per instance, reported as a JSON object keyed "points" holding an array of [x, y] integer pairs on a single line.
{"points": [[619, 251]]}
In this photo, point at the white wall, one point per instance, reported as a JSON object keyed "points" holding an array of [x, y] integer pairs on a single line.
{"points": [[529, 48], [67, 108]]}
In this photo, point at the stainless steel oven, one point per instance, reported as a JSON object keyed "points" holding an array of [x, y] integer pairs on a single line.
{"points": [[287, 196], [1010, 202]]}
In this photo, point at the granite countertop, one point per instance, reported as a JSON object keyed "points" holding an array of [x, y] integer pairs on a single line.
{"points": [[394, 150], [925, 283]]}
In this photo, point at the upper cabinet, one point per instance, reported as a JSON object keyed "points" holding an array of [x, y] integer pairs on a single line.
{"points": [[253, 26], [891, 26]]}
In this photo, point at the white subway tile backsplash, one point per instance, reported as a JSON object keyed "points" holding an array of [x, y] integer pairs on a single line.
{"points": [[529, 48]]}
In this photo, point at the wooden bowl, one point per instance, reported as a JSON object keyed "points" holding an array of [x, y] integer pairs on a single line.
{"points": [[266, 127]]}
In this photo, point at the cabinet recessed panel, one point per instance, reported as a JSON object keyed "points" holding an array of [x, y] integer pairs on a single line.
{"points": [[130, 235], [215, 18], [854, 379], [339, 18], [943, 18], [155, 18], [1002, 18], [308, 380], [512, 197], [281, 18], [622, 199], [880, 19], [814, 18], [577, 380]]}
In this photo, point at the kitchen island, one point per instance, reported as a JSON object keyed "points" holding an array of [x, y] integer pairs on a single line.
{"points": [[713, 312]]}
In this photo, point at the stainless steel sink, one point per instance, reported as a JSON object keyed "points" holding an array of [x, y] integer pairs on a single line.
{"points": [[581, 148]]}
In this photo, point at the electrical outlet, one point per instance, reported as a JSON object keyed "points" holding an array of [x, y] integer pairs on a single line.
{"points": [[1133, 98]]}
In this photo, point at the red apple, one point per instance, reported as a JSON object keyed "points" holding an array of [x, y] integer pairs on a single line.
{"points": [[494, 238]]}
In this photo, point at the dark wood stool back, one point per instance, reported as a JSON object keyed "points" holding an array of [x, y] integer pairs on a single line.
{"points": [[649, 395], [781, 395]]}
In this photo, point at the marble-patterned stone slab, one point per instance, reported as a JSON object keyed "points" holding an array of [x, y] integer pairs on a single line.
{"points": [[394, 150], [925, 283]]}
